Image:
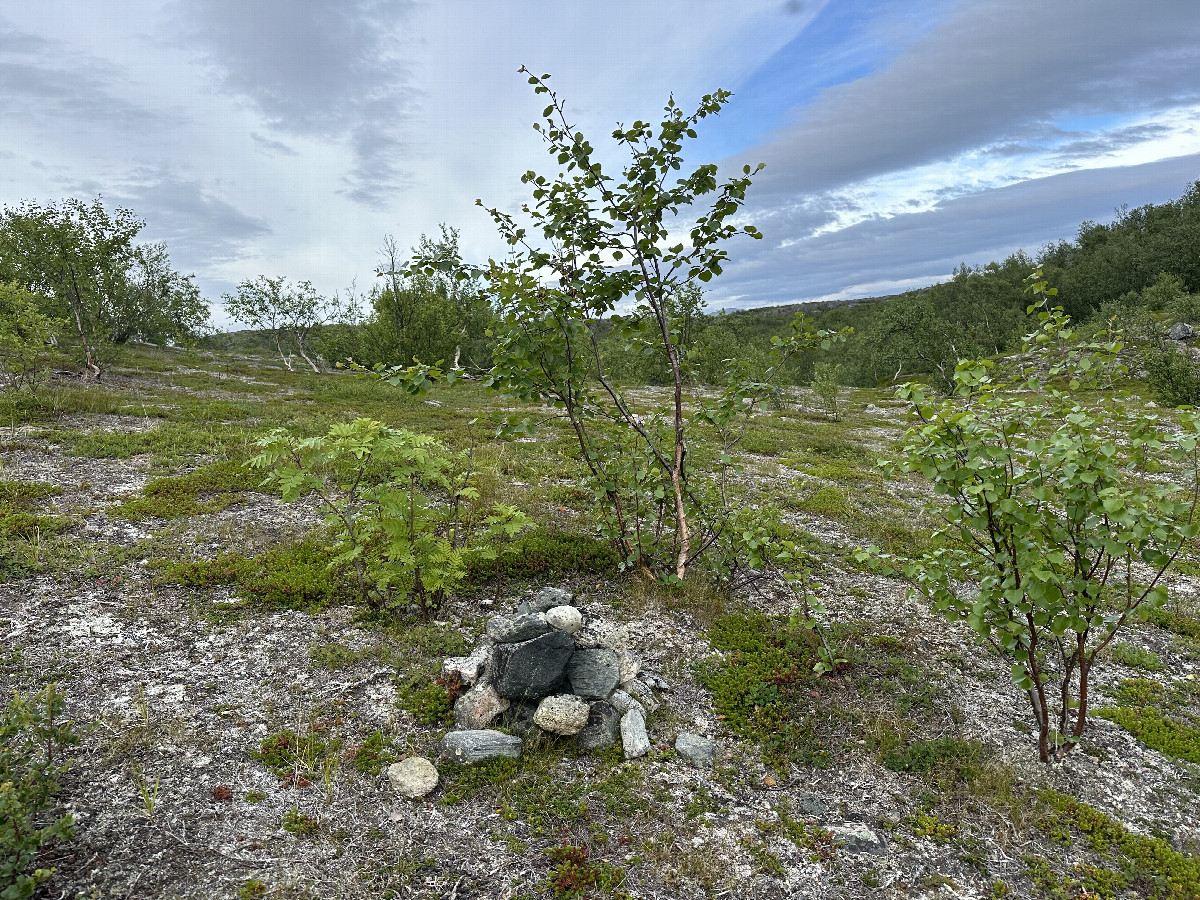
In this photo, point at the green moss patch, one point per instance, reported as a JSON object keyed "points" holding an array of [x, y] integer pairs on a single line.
{"points": [[207, 489], [295, 576], [1156, 731], [1124, 864], [760, 685]]}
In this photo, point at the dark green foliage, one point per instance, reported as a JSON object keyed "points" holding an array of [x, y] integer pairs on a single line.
{"points": [[289, 754], [760, 685], [961, 757], [576, 876], [31, 736], [294, 576], [544, 552], [373, 754], [295, 822], [1173, 376], [429, 702], [1175, 620]]}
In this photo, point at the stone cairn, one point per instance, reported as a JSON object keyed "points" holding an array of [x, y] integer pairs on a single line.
{"points": [[542, 667]]}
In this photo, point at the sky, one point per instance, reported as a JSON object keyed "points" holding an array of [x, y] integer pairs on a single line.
{"points": [[900, 137]]}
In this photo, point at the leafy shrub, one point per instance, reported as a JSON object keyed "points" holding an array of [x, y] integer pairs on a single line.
{"points": [[1173, 376], [31, 731], [825, 386], [401, 508], [661, 515], [1049, 511], [25, 338]]}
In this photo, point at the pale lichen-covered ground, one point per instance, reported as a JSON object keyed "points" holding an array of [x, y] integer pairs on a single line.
{"points": [[175, 688]]}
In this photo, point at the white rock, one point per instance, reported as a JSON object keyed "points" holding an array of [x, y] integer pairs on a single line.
{"points": [[468, 668], [565, 618], [633, 735], [562, 714], [413, 777], [629, 665], [478, 706]]}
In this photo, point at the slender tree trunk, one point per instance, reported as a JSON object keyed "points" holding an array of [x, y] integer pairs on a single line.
{"points": [[279, 349], [300, 344]]}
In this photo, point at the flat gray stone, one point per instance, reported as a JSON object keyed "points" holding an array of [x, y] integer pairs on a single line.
{"points": [[561, 714], [593, 673], [532, 669], [695, 749], [413, 777], [634, 739], [477, 707], [476, 746], [856, 837], [812, 805], [515, 629], [603, 727]]}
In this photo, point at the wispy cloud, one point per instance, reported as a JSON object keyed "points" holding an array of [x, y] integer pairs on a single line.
{"points": [[325, 68]]}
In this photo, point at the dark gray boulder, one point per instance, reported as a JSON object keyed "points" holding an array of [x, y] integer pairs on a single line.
{"points": [[1181, 331], [532, 669], [593, 673], [514, 629], [603, 728], [519, 716]]}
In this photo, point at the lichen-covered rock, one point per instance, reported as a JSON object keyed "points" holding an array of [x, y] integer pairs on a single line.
{"points": [[469, 669], [476, 746], [624, 702], [550, 597], [563, 714], [641, 694], [603, 727], [593, 673], [695, 749], [856, 837], [634, 739], [629, 666], [532, 669], [515, 629], [565, 618], [478, 707], [413, 777]]}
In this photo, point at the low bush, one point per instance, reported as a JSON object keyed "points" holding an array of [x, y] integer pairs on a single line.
{"points": [[31, 735]]}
